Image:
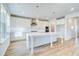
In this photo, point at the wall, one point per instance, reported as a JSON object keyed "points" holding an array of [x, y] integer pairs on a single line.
{"points": [[19, 25], [68, 33], [41, 25], [4, 45], [72, 14]]}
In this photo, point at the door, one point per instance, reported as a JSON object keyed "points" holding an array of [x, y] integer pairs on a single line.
{"points": [[77, 32], [70, 29]]}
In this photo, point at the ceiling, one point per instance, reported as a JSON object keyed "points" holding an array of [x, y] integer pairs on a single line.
{"points": [[43, 10]]}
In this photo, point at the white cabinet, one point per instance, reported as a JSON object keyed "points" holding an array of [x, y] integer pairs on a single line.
{"points": [[60, 27]]}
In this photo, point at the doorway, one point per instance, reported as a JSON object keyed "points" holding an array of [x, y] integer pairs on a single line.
{"points": [[72, 30]]}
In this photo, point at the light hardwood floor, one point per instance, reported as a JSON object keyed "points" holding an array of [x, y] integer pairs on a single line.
{"points": [[66, 49]]}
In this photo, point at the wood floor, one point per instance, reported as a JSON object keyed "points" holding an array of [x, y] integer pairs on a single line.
{"points": [[59, 49]]}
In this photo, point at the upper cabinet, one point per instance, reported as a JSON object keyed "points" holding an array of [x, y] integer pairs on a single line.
{"points": [[60, 21], [60, 27]]}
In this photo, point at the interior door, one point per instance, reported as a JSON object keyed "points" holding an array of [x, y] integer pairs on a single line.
{"points": [[77, 32]]}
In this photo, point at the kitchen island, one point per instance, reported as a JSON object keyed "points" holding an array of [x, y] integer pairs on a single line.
{"points": [[30, 39]]}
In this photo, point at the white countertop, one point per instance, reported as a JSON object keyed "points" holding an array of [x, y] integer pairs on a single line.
{"points": [[40, 33]]}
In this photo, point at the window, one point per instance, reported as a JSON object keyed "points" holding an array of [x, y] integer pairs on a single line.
{"points": [[4, 24]]}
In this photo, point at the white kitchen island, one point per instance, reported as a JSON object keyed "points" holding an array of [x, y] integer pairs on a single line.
{"points": [[30, 39]]}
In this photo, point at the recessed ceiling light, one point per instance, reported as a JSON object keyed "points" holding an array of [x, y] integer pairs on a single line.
{"points": [[72, 9], [53, 12], [37, 6], [72, 27]]}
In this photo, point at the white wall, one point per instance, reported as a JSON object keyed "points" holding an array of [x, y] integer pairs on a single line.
{"points": [[68, 34], [19, 25], [41, 25], [75, 14], [17, 22], [4, 45]]}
